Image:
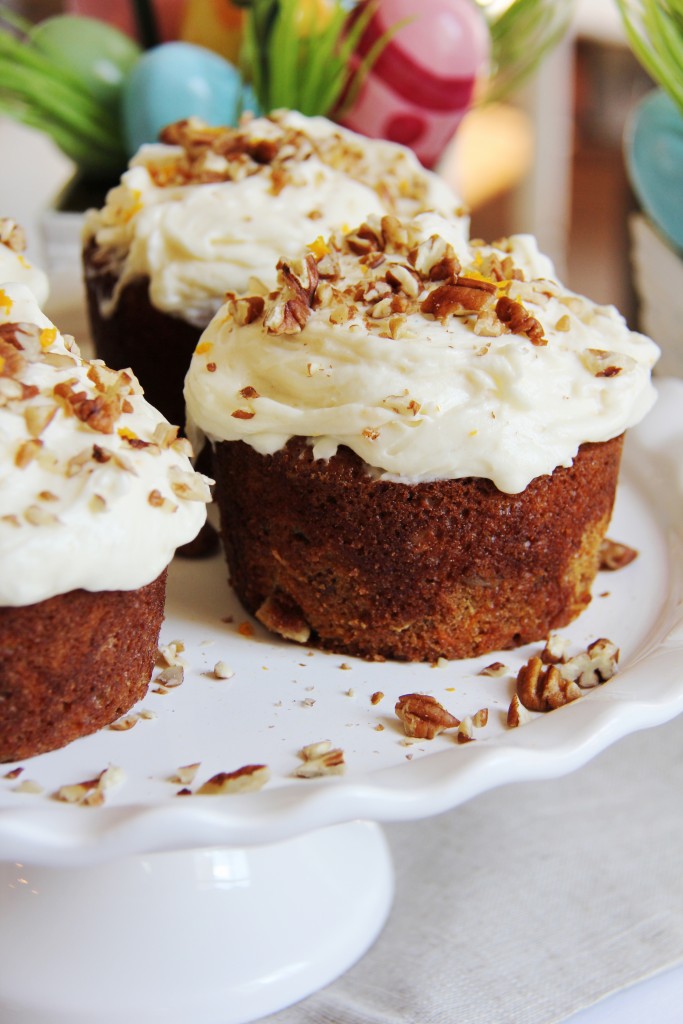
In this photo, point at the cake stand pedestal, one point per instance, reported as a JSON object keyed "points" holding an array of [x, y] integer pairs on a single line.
{"points": [[286, 887], [213, 936]]}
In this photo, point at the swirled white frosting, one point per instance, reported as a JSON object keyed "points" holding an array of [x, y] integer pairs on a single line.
{"points": [[95, 493], [15, 267], [419, 397], [195, 238]]}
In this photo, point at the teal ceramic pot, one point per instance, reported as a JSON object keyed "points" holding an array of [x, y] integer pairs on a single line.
{"points": [[654, 162]]}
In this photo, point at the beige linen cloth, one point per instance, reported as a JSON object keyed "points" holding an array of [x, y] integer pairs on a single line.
{"points": [[529, 902]]}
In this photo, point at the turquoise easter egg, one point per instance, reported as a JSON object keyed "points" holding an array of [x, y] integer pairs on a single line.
{"points": [[654, 161], [178, 80]]}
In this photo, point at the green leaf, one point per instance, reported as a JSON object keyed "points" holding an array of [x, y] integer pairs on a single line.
{"points": [[283, 53], [306, 71], [521, 37], [655, 33]]}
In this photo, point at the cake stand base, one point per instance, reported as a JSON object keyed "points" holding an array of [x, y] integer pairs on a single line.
{"points": [[216, 936]]}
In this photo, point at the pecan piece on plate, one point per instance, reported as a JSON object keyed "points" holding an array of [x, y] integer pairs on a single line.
{"points": [[423, 717]]}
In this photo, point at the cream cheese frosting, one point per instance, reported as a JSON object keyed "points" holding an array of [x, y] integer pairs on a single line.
{"points": [[430, 357], [13, 264], [96, 490], [211, 209]]}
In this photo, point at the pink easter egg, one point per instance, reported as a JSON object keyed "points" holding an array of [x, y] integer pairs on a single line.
{"points": [[422, 84]]}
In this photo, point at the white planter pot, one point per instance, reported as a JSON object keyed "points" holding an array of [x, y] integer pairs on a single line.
{"points": [[658, 277]]}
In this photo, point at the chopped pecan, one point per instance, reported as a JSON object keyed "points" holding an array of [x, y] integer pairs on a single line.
{"points": [[595, 665], [519, 321], [288, 317], [404, 279], [99, 413], [613, 555], [91, 792], [542, 688], [435, 259], [555, 650], [280, 615], [517, 714], [390, 305], [12, 235], [320, 759], [38, 418], [367, 238], [496, 668], [467, 295], [394, 231], [603, 363], [300, 276], [487, 324], [247, 309], [247, 779], [222, 670], [423, 717], [189, 485], [186, 774], [12, 359], [498, 269], [27, 452], [328, 266], [38, 516]]}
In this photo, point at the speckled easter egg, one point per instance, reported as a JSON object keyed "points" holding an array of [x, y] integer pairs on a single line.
{"points": [[422, 84]]}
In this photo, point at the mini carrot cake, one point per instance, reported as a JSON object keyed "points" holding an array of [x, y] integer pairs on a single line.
{"points": [[209, 210], [96, 493], [416, 441]]}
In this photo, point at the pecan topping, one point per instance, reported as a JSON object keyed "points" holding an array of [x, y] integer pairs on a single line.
{"points": [[435, 259], [320, 759], [467, 295], [541, 687], [247, 779], [301, 277], [12, 359], [519, 321], [12, 235], [595, 665], [38, 418], [404, 279], [287, 317], [280, 615], [364, 240], [517, 714], [92, 792], [423, 717], [614, 555], [247, 309], [99, 413]]}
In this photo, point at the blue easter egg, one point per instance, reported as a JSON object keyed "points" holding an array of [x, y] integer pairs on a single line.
{"points": [[654, 161], [178, 80]]}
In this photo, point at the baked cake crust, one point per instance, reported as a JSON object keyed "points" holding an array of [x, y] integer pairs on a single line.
{"points": [[320, 551], [100, 649], [161, 362]]}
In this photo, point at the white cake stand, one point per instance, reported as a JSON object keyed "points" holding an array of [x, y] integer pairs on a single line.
{"points": [[221, 909]]}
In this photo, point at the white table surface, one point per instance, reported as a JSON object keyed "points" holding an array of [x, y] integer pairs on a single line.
{"points": [[31, 172]]}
